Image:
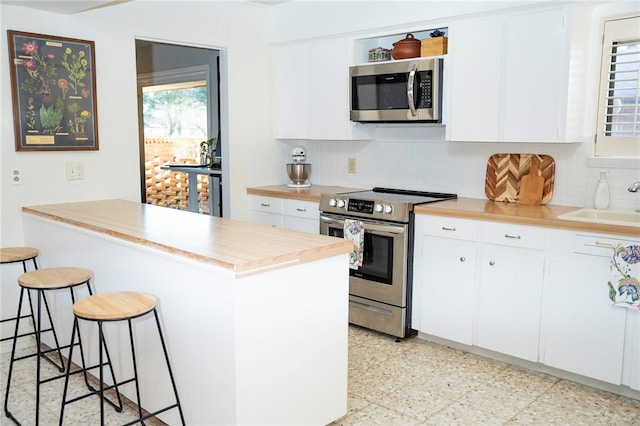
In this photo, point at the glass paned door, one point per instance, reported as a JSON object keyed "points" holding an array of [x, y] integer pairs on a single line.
{"points": [[175, 124]]}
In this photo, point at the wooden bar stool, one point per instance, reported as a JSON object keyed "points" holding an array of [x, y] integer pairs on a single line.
{"points": [[118, 306], [19, 255], [41, 281]]}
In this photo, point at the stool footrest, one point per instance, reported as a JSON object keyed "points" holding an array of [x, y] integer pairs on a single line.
{"points": [[44, 355], [149, 415], [118, 407], [15, 318]]}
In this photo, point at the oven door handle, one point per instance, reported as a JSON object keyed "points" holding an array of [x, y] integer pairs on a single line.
{"points": [[366, 225]]}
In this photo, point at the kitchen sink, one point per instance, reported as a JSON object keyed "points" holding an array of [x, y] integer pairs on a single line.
{"points": [[608, 217]]}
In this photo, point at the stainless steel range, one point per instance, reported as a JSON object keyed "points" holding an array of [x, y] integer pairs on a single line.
{"points": [[380, 281]]}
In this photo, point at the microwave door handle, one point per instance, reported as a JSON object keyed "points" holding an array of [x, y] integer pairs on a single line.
{"points": [[412, 104]]}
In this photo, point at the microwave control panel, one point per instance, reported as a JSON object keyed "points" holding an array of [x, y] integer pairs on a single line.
{"points": [[425, 90]]}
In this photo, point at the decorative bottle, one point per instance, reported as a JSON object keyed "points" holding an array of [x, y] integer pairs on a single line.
{"points": [[601, 196]]}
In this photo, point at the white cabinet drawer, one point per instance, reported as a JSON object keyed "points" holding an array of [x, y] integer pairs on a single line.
{"points": [[599, 245], [307, 209], [269, 219], [451, 227], [514, 235], [266, 204]]}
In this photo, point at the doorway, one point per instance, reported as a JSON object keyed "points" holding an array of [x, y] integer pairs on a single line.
{"points": [[178, 106]]}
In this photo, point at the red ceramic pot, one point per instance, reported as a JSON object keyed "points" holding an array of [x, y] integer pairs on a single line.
{"points": [[408, 47]]}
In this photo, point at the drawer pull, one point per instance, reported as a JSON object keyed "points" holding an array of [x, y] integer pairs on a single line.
{"points": [[492, 262], [463, 259], [601, 244], [444, 228], [513, 237], [301, 210], [265, 205]]}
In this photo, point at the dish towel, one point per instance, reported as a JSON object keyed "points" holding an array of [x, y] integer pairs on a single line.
{"points": [[624, 284], [354, 231]]}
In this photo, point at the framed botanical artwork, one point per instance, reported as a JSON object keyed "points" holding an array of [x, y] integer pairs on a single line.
{"points": [[53, 84]]}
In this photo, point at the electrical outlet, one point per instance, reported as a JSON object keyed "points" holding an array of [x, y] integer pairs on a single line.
{"points": [[75, 171], [16, 176], [351, 167]]}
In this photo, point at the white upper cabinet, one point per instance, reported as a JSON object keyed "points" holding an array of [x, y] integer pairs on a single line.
{"points": [[535, 77], [473, 70], [509, 78], [311, 92], [291, 91]]}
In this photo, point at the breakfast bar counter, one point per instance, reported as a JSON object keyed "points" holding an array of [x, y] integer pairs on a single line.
{"points": [[255, 318]]}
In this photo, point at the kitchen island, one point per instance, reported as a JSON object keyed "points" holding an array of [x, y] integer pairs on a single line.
{"points": [[255, 318]]}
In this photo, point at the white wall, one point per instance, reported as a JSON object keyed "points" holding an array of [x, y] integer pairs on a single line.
{"points": [[239, 29], [419, 157]]}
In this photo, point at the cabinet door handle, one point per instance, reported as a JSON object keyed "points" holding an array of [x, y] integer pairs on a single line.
{"points": [[462, 259], [514, 237], [301, 210], [265, 205], [492, 262], [444, 228]]}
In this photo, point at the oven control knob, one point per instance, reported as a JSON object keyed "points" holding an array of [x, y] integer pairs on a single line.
{"points": [[332, 202], [340, 203], [379, 208], [388, 209]]}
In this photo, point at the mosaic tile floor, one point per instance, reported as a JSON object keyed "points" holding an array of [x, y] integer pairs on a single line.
{"points": [[420, 383], [392, 384], [22, 397]]}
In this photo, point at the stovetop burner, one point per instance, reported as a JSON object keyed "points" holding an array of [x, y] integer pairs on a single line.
{"points": [[401, 195]]}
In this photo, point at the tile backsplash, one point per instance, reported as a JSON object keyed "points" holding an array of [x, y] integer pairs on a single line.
{"points": [[430, 163]]}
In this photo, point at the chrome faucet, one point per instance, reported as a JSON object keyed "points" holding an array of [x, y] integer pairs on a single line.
{"points": [[634, 187]]}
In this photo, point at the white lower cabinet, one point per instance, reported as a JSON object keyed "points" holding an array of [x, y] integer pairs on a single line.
{"points": [[301, 216], [266, 210], [447, 282], [538, 294], [298, 215], [509, 300], [582, 331], [447, 295]]}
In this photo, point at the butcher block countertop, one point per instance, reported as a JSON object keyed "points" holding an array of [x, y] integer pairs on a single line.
{"points": [[544, 215], [311, 193], [240, 247]]}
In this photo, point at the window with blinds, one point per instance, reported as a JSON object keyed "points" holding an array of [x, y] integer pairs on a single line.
{"points": [[618, 132]]}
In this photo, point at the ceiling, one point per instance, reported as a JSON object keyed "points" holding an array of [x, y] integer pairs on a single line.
{"points": [[64, 7], [76, 6]]}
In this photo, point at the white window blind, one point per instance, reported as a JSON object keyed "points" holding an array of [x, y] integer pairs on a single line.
{"points": [[618, 130]]}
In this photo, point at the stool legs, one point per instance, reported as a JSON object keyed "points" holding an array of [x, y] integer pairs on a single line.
{"points": [[24, 268], [39, 352], [166, 358], [101, 344], [135, 373]]}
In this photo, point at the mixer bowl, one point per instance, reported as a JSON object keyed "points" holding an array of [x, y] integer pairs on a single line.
{"points": [[298, 172]]}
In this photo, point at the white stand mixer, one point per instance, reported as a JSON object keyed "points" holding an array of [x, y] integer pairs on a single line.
{"points": [[298, 171]]}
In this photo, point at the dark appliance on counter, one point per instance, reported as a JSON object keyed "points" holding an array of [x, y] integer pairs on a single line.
{"points": [[397, 91], [380, 289]]}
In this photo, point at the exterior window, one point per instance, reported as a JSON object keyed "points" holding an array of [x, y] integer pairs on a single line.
{"points": [[618, 132]]}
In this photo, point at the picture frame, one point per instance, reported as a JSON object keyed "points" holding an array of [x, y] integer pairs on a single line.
{"points": [[53, 88]]}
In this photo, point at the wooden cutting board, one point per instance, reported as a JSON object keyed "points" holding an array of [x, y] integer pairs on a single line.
{"points": [[505, 172], [531, 185]]}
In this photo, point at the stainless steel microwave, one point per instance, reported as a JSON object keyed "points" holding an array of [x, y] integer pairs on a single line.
{"points": [[397, 91]]}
